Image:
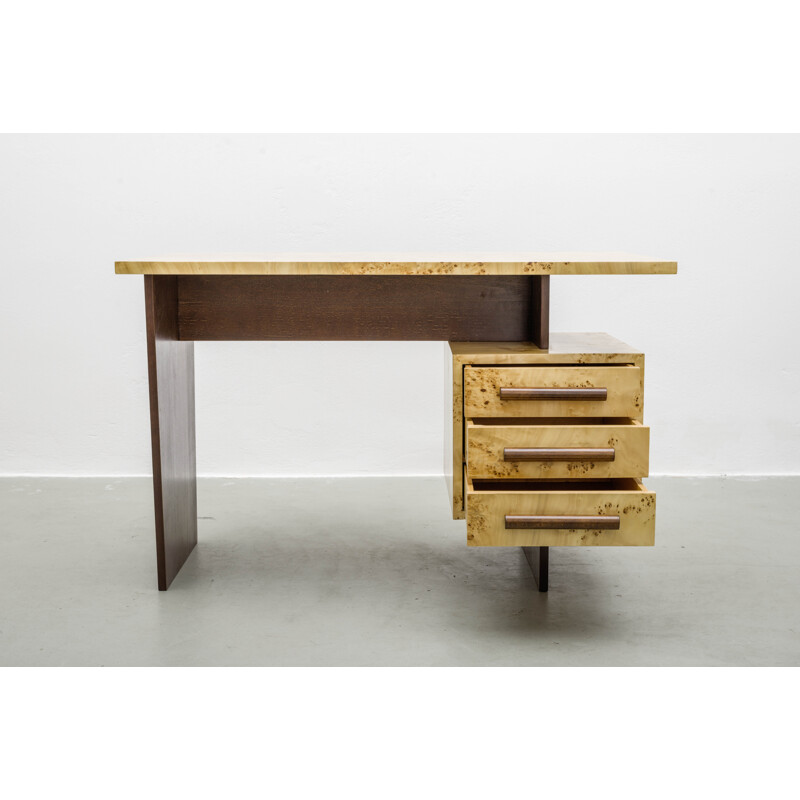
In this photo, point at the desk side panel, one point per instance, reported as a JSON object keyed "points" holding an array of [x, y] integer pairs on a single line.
{"points": [[447, 453], [171, 377]]}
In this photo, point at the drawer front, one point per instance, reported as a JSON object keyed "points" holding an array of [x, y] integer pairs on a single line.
{"points": [[614, 512], [571, 391], [557, 451]]}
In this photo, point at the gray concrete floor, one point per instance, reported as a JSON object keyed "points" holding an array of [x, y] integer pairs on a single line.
{"points": [[373, 572]]}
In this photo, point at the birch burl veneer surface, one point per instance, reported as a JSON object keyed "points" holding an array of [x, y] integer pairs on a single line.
{"points": [[622, 386], [490, 502], [571, 449], [565, 348], [402, 264]]}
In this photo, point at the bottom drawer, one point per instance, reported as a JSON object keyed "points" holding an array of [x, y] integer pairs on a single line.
{"points": [[557, 514]]}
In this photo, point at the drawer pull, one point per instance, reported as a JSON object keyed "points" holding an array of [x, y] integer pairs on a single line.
{"points": [[507, 393], [608, 523], [558, 454]]}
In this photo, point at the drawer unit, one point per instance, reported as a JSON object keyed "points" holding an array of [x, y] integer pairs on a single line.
{"points": [[548, 446], [556, 448], [559, 513], [553, 391]]}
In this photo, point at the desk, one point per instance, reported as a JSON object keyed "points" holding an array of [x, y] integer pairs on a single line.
{"points": [[480, 298]]}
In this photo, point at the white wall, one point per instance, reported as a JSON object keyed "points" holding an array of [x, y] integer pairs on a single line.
{"points": [[721, 337]]}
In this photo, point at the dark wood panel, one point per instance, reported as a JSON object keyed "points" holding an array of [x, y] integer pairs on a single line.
{"points": [[539, 561], [553, 393], [570, 454], [371, 307], [540, 311], [171, 374], [552, 522]]}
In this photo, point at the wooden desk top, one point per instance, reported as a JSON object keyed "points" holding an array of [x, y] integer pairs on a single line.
{"points": [[404, 264]]}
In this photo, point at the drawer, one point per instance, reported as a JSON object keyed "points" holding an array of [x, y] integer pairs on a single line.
{"points": [[557, 448], [595, 390], [556, 514]]}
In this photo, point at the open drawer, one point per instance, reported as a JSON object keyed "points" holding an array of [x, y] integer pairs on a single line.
{"points": [[508, 513]]}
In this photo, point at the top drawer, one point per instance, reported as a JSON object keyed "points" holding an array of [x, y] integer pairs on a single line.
{"points": [[587, 390]]}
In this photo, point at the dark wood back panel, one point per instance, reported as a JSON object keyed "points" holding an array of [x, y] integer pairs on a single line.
{"points": [[460, 308]]}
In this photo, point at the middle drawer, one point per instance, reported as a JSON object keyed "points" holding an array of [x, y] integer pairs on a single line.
{"points": [[557, 448]]}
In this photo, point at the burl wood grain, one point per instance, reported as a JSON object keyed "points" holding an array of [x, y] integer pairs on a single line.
{"points": [[565, 348], [623, 384], [403, 264], [628, 499], [486, 446]]}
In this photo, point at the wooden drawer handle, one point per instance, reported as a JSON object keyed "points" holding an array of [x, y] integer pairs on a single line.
{"points": [[558, 454], [553, 394], [608, 523]]}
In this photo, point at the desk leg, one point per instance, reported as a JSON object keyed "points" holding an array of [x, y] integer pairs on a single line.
{"points": [[540, 311], [539, 557], [171, 374], [539, 561]]}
